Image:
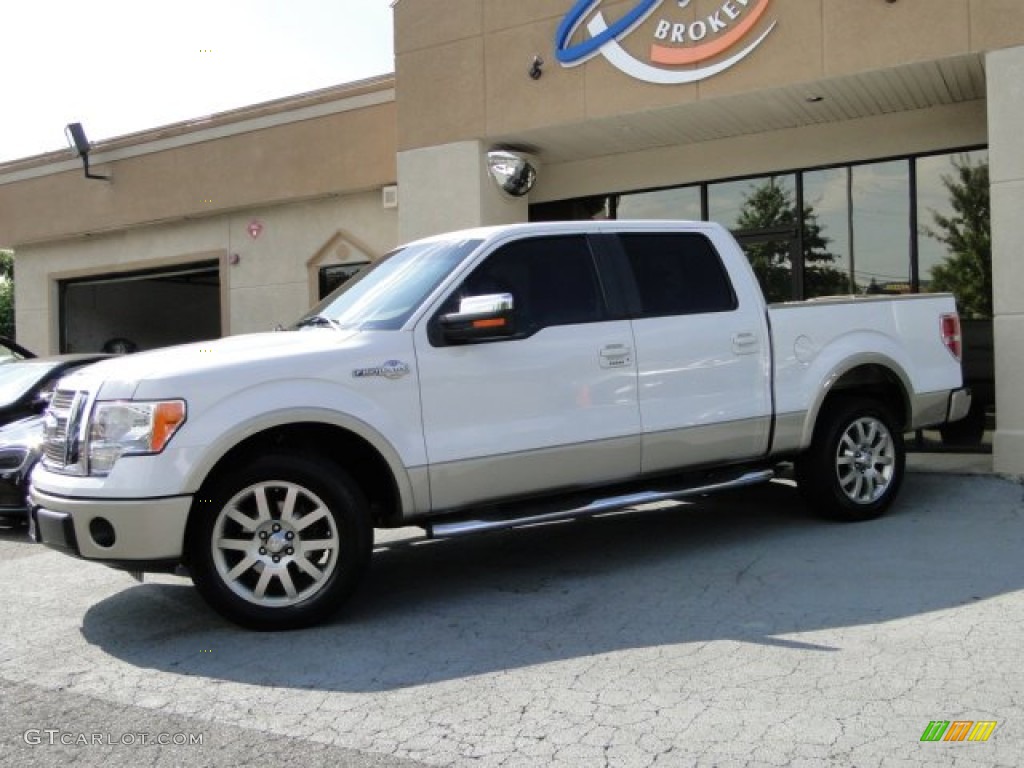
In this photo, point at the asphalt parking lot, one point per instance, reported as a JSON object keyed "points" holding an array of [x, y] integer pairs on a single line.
{"points": [[737, 631]]}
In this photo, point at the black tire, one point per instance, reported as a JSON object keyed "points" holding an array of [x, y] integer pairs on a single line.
{"points": [[856, 462], [298, 537]]}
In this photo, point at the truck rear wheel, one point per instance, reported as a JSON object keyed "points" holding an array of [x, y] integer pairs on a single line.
{"points": [[855, 464], [281, 543]]}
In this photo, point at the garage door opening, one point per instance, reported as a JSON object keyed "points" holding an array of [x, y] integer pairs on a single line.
{"points": [[133, 311]]}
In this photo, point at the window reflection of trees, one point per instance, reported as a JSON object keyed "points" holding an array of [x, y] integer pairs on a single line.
{"points": [[857, 225], [771, 206], [958, 224], [880, 207], [676, 203]]}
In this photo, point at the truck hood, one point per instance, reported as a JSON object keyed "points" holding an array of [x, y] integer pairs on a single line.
{"points": [[248, 353]]}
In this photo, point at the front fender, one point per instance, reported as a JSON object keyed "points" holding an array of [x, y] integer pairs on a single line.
{"points": [[395, 432], [216, 424]]}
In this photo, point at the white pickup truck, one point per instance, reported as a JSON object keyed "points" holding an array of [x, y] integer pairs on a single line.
{"points": [[485, 379]]}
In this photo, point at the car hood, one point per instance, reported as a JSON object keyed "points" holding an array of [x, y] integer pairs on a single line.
{"points": [[246, 354]]}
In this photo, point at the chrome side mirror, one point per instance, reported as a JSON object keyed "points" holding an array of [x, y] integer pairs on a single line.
{"points": [[488, 304], [489, 316]]}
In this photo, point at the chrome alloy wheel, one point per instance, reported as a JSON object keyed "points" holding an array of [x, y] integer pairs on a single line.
{"points": [[865, 460], [275, 543]]}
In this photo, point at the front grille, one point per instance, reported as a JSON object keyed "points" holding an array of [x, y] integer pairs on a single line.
{"points": [[62, 399], [65, 408]]}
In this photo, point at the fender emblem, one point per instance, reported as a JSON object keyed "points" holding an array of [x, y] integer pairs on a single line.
{"points": [[392, 369]]}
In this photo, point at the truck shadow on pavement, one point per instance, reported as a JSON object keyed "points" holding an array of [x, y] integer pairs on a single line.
{"points": [[751, 566]]}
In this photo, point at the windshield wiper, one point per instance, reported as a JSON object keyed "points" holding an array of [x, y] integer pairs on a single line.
{"points": [[318, 321]]}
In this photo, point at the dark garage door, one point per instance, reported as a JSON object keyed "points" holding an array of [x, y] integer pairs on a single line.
{"points": [[148, 309]]}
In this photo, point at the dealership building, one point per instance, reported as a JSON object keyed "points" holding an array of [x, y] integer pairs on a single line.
{"points": [[838, 139]]}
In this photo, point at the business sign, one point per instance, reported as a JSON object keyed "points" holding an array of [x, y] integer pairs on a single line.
{"points": [[682, 49]]}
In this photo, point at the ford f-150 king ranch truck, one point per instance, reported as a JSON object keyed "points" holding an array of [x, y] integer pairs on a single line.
{"points": [[485, 379]]}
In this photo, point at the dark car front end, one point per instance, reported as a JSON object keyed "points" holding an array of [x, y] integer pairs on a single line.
{"points": [[20, 448]]}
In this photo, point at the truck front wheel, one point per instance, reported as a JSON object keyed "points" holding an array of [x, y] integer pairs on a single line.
{"points": [[281, 543], [855, 464]]}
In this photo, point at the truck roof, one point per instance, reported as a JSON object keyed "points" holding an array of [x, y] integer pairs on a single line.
{"points": [[576, 227]]}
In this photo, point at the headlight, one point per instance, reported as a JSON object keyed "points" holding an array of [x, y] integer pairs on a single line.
{"points": [[126, 428]]}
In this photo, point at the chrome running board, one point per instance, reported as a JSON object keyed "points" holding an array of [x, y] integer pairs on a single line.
{"points": [[444, 530]]}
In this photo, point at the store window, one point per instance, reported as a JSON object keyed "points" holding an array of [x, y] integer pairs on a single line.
{"points": [[880, 227], [597, 207], [954, 230], [678, 203], [889, 227], [762, 214], [828, 268], [767, 202], [331, 276]]}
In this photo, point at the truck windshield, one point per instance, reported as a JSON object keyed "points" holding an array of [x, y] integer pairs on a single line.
{"points": [[384, 296]]}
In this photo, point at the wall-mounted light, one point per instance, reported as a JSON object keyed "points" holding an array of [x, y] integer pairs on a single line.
{"points": [[536, 68], [75, 134], [512, 171]]}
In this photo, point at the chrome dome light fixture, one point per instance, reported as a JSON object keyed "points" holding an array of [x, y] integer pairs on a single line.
{"points": [[512, 171]]}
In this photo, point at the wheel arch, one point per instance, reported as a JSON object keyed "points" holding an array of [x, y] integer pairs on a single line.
{"points": [[371, 463], [868, 375]]}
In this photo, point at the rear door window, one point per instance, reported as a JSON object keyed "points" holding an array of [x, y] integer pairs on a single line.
{"points": [[677, 273]]}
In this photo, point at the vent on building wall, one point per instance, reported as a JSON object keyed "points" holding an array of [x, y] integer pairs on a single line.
{"points": [[389, 196]]}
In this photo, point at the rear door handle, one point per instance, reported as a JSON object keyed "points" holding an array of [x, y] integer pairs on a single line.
{"points": [[616, 356]]}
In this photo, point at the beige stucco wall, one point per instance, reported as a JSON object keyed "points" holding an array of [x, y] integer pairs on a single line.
{"points": [[462, 82], [337, 142], [461, 65], [1006, 116], [310, 167], [270, 283], [446, 188]]}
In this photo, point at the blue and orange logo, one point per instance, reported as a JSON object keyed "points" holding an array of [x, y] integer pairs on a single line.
{"points": [[698, 45]]}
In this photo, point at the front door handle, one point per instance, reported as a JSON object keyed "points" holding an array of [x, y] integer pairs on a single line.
{"points": [[744, 343]]}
